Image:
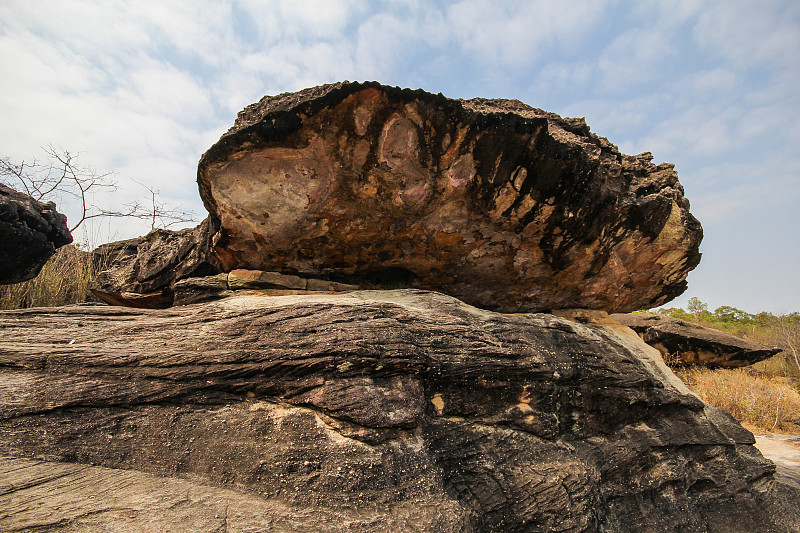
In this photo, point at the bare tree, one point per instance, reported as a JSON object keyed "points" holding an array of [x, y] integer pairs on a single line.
{"points": [[61, 175], [788, 326], [158, 212]]}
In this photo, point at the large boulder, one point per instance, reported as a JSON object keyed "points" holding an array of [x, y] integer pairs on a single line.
{"points": [[502, 205], [371, 411], [30, 232], [687, 344]]}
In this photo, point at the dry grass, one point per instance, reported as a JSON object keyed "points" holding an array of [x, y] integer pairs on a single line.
{"points": [[63, 280], [769, 403]]}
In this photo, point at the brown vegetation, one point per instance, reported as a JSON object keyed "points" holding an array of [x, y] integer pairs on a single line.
{"points": [[64, 279], [768, 403], [765, 396]]}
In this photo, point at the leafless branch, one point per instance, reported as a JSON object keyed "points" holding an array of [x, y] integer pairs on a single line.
{"points": [[789, 329], [62, 175]]}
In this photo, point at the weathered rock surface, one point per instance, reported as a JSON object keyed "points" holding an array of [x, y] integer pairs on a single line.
{"points": [[502, 205], [784, 451], [142, 272], [684, 343], [226, 284], [366, 411], [30, 232]]}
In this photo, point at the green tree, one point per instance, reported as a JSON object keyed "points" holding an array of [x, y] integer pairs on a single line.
{"points": [[696, 307], [729, 314]]}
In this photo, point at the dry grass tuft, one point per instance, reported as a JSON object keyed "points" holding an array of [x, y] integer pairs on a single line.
{"points": [[769, 403], [63, 280]]}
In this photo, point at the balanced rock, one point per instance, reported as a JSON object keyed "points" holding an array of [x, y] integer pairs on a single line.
{"points": [[30, 232], [367, 411], [499, 204], [684, 343]]}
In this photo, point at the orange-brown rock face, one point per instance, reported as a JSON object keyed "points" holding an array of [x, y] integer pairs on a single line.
{"points": [[491, 201]]}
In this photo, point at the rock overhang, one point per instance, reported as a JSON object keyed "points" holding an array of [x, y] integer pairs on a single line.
{"points": [[503, 205]]}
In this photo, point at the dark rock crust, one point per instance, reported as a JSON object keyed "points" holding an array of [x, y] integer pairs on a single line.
{"points": [[497, 203], [372, 411], [30, 232]]}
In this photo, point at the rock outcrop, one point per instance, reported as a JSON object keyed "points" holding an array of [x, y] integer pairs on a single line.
{"points": [[499, 204], [368, 411], [166, 268], [684, 343], [142, 272], [30, 232]]}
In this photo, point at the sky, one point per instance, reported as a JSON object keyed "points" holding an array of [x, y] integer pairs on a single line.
{"points": [[144, 88]]}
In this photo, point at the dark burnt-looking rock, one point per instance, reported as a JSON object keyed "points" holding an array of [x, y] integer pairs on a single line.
{"points": [[30, 232], [142, 272], [502, 205], [684, 343], [371, 411]]}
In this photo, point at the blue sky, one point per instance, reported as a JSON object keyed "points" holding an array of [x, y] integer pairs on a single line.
{"points": [[144, 88]]}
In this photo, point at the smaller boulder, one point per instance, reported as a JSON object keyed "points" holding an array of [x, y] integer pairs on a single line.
{"points": [[684, 343], [142, 272], [30, 232]]}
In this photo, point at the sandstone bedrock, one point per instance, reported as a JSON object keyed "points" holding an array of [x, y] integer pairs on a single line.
{"points": [[367, 411]]}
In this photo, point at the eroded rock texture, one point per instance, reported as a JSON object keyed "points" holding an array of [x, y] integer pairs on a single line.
{"points": [[370, 411], [684, 343], [30, 232], [142, 272], [502, 205]]}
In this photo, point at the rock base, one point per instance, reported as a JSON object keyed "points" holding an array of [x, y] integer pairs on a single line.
{"points": [[361, 411]]}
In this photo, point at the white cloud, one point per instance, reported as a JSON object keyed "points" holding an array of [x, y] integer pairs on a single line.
{"points": [[742, 190], [712, 83], [749, 34], [560, 75], [635, 57], [504, 34], [146, 87], [300, 20]]}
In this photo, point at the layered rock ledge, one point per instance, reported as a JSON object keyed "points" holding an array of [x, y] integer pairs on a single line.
{"points": [[684, 343], [502, 205], [367, 411]]}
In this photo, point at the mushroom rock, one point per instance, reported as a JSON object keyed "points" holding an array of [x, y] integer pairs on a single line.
{"points": [[502, 205], [30, 232], [687, 344]]}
